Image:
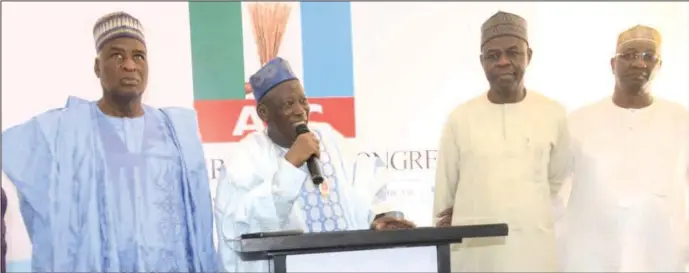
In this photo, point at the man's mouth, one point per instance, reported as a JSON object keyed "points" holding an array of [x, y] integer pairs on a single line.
{"points": [[510, 75], [302, 121], [638, 76], [129, 81]]}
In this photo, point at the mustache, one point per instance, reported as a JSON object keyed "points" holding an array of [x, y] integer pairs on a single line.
{"points": [[635, 74], [300, 121]]}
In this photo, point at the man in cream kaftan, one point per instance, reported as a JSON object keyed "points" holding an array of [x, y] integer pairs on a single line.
{"points": [[627, 210], [261, 190], [502, 158], [113, 185]]}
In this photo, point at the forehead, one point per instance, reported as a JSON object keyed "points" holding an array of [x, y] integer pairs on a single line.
{"points": [[503, 43], [286, 90], [124, 44], [638, 46]]}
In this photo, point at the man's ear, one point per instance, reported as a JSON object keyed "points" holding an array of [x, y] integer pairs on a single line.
{"points": [[262, 111], [612, 65], [96, 67], [529, 54]]}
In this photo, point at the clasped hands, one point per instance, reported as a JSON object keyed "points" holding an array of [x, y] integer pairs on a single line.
{"points": [[389, 221], [444, 218]]}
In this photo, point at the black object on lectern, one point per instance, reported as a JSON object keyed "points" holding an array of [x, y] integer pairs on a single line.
{"points": [[276, 248]]}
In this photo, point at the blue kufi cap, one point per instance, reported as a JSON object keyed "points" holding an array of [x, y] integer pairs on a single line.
{"points": [[275, 72]]}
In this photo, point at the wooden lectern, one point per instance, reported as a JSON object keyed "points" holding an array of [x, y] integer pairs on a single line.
{"points": [[409, 250]]}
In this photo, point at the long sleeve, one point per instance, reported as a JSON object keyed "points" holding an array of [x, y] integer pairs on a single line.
{"points": [[2, 240], [247, 202], [686, 162], [370, 178], [559, 167], [684, 123], [366, 178], [24, 148], [28, 161], [447, 172], [186, 131]]}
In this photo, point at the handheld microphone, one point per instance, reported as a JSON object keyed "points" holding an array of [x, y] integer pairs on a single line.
{"points": [[311, 164]]}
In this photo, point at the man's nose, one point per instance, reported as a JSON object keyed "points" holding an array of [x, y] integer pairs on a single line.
{"points": [[502, 60], [640, 63], [301, 111], [129, 65]]}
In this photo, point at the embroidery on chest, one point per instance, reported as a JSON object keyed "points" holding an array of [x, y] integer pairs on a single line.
{"points": [[324, 212]]}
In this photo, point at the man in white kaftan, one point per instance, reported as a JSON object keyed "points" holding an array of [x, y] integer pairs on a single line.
{"points": [[265, 185], [502, 159], [627, 210], [113, 185]]}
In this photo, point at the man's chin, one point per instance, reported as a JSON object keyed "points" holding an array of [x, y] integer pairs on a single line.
{"points": [[635, 87], [504, 87], [126, 94]]}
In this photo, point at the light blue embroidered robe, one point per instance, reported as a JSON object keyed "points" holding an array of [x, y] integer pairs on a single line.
{"points": [[259, 191], [104, 194]]}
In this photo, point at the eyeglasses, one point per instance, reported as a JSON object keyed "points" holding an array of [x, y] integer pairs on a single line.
{"points": [[645, 56]]}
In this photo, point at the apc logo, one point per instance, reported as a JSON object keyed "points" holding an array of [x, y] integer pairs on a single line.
{"points": [[225, 112]]}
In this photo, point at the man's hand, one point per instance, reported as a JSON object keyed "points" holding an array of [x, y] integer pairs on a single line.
{"points": [[389, 222], [445, 218], [302, 149]]}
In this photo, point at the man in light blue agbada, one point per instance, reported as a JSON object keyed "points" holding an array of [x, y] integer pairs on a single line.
{"points": [[266, 185], [113, 185]]}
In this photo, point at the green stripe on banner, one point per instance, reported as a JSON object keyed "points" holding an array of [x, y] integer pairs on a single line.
{"points": [[217, 50]]}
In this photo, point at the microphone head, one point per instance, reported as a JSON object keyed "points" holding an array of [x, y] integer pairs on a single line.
{"points": [[301, 128]]}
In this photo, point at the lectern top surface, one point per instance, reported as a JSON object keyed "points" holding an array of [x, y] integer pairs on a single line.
{"points": [[261, 248]]}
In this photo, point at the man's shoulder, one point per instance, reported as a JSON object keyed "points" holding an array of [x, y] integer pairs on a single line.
{"points": [[548, 103], [589, 109], [672, 107], [478, 100], [45, 120], [584, 119], [184, 119], [177, 112], [180, 109], [466, 106], [251, 148]]}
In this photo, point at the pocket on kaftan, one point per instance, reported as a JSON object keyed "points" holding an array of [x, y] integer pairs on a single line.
{"points": [[539, 152]]}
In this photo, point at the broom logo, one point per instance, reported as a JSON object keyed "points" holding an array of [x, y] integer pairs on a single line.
{"points": [[269, 21]]}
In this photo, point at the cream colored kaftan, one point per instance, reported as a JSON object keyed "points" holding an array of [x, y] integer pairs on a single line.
{"points": [[627, 210], [502, 163]]}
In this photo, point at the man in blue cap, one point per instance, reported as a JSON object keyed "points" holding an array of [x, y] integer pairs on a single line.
{"points": [[266, 185], [113, 185]]}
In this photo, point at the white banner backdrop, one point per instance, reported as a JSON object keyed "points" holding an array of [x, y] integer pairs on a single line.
{"points": [[413, 62]]}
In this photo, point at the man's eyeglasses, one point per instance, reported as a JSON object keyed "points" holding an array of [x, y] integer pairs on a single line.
{"points": [[645, 56]]}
